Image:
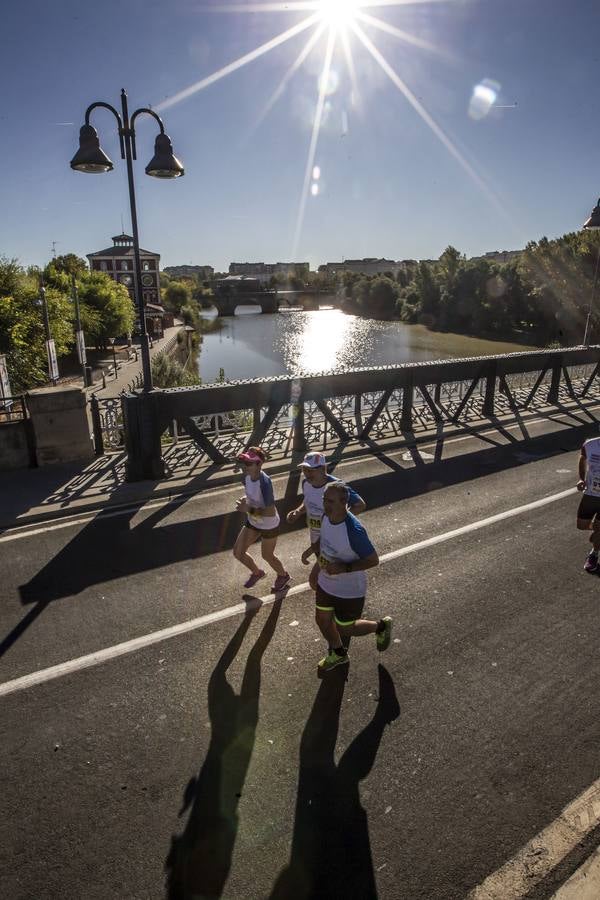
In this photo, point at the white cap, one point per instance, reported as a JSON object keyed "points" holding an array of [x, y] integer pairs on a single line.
{"points": [[313, 461]]}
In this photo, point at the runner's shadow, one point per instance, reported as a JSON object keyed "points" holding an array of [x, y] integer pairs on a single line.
{"points": [[199, 859], [331, 850]]}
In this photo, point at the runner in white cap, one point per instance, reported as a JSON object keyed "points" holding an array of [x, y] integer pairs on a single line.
{"points": [[262, 520], [316, 479]]}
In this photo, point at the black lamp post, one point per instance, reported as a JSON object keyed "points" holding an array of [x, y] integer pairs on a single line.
{"points": [[592, 224], [91, 158], [50, 351]]}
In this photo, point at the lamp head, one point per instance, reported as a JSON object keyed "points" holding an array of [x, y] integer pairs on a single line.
{"points": [[90, 157], [163, 164], [593, 223]]}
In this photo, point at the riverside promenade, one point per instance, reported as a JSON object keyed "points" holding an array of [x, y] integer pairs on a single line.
{"points": [[166, 734]]}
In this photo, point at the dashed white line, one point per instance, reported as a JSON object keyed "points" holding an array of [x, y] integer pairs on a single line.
{"points": [[100, 656]]}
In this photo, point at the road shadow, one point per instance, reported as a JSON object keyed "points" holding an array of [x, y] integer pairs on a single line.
{"points": [[331, 849], [111, 547], [199, 859]]}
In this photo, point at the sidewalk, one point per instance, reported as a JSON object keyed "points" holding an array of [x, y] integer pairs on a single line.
{"points": [[127, 371]]}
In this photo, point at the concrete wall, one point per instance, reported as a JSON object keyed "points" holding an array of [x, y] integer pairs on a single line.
{"points": [[60, 425], [14, 448]]}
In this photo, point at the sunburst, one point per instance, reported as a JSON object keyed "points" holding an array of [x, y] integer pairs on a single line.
{"points": [[339, 22]]}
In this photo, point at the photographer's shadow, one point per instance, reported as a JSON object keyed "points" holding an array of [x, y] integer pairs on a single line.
{"points": [[199, 859], [331, 849]]}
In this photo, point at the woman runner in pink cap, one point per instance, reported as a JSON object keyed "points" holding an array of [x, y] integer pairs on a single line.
{"points": [[262, 520]]}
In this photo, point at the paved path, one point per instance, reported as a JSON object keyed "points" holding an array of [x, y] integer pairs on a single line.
{"points": [[214, 763], [127, 371]]}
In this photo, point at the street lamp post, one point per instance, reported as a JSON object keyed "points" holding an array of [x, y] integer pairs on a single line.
{"points": [[592, 224], [50, 348], [91, 158], [144, 459], [79, 336], [112, 344]]}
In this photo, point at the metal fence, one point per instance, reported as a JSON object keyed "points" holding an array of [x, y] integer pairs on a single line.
{"points": [[212, 424], [13, 409]]}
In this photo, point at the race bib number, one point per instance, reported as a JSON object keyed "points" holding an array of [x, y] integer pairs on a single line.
{"points": [[323, 561], [314, 522]]}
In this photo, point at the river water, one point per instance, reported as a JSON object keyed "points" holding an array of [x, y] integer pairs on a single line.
{"points": [[298, 342]]}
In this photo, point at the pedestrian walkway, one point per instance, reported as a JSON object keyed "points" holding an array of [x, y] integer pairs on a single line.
{"points": [[127, 371]]}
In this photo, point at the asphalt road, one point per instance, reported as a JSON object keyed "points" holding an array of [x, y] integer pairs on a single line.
{"points": [[215, 763]]}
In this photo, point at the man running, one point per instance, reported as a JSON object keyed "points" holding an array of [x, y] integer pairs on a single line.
{"points": [[345, 552], [589, 505], [316, 479]]}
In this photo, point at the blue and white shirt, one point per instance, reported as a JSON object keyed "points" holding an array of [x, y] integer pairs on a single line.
{"points": [[313, 503], [259, 494], [344, 543]]}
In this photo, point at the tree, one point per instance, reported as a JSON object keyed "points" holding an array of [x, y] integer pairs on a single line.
{"points": [[70, 264], [106, 308], [176, 295], [22, 334]]}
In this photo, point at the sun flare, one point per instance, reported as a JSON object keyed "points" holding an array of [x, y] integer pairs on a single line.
{"points": [[338, 13]]}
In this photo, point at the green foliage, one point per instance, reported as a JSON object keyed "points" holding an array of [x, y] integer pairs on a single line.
{"points": [[543, 295], [22, 335], [176, 295], [168, 373], [106, 308]]}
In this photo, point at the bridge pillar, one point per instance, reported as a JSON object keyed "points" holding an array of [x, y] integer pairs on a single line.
{"points": [[142, 437]]}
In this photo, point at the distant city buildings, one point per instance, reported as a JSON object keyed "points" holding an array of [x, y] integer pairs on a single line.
{"points": [[118, 262], [500, 255], [265, 271], [204, 273], [370, 265]]}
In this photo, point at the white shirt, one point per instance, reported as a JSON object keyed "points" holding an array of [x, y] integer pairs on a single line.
{"points": [[592, 468], [256, 499], [345, 542]]}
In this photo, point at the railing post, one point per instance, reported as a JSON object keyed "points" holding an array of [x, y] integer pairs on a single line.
{"points": [[490, 389], [299, 443], [97, 426], [408, 395], [555, 382]]}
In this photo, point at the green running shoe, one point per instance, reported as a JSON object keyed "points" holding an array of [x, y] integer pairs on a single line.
{"points": [[384, 637], [332, 660]]}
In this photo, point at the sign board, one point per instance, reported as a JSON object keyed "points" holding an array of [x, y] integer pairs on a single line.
{"points": [[81, 348], [5, 402], [52, 361]]}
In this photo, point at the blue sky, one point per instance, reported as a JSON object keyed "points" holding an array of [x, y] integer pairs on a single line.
{"points": [[388, 185]]}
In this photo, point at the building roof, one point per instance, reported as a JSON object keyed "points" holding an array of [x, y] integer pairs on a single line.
{"points": [[122, 251]]}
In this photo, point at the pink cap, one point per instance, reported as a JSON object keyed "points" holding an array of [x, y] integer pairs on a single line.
{"points": [[250, 457]]}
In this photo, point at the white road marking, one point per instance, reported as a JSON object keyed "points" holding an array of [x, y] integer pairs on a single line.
{"points": [[24, 531], [543, 853], [100, 656]]}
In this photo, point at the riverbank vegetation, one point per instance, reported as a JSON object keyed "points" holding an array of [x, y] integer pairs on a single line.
{"points": [[106, 311], [540, 297]]}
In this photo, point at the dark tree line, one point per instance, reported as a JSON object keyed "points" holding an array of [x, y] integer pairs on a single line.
{"points": [[541, 297]]}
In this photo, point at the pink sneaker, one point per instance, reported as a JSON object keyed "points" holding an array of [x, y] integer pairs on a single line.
{"points": [[256, 576], [281, 582]]}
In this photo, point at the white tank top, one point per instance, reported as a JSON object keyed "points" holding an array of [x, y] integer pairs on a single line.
{"points": [[592, 469]]}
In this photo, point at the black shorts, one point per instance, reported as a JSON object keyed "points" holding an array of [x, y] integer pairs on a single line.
{"points": [[262, 532], [588, 507], [346, 610]]}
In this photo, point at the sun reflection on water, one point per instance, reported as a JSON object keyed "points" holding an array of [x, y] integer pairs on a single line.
{"points": [[323, 341]]}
